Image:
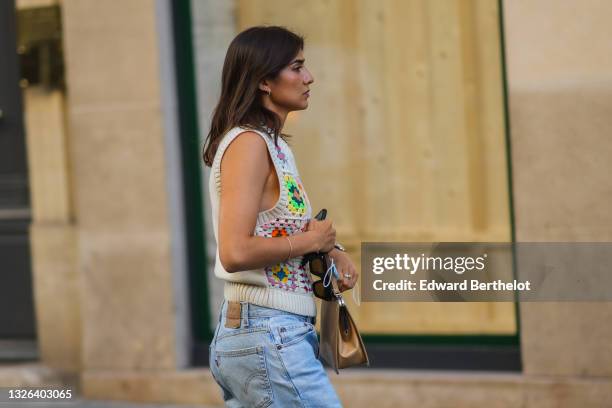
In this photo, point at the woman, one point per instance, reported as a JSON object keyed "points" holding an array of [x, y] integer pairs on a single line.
{"points": [[265, 348]]}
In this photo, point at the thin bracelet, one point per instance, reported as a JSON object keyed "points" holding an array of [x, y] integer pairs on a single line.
{"points": [[290, 249]]}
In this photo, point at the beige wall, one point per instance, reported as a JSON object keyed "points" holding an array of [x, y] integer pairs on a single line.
{"points": [[53, 232], [560, 83], [105, 235], [406, 123], [118, 152], [22, 4]]}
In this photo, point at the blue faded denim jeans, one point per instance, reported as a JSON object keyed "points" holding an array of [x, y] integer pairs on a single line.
{"points": [[271, 360]]}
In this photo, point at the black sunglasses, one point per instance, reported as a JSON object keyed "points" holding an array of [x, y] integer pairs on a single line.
{"points": [[318, 266], [317, 261]]}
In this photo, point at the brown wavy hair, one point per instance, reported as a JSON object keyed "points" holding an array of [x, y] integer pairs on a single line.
{"points": [[255, 54]]}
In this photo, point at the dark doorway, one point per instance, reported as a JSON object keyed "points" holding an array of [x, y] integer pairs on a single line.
{"points": [[17, 322]]}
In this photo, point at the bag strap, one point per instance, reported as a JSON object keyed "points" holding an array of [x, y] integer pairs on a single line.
{"points": [[343, 310], [336, 290]]}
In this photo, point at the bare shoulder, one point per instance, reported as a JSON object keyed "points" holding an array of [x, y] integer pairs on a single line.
{"points": [[248, 151], [246, 142]]}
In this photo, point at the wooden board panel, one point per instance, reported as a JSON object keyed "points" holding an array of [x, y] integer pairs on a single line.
{"points": [[406, 122]]}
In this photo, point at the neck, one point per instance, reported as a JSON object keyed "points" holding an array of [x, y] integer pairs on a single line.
{"points": [[281, 112]]}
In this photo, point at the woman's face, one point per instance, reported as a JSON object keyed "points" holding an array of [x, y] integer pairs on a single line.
{"points": [[290, 89]]}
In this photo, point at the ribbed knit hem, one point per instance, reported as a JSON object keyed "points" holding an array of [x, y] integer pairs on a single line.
{"points": [[302, 304]]}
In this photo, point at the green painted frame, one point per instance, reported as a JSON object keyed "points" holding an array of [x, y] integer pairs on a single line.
{"points": [[191, 161]]}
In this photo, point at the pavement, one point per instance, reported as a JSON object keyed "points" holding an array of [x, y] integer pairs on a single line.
{"points": [[19, 374], [81, 403], [33, 374]]}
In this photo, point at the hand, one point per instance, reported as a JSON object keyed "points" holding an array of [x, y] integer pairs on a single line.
{"points": [[324, 234], [345, 266]]}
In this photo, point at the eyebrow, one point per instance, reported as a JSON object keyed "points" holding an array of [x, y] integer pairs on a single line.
{"points": [[300, 61]]}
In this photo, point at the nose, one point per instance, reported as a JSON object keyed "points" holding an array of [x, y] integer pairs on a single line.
{"points": [[308, 79]]}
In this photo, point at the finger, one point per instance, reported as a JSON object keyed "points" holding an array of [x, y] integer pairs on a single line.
{"points": [[348, 284], [354, 277], [346, 281]]}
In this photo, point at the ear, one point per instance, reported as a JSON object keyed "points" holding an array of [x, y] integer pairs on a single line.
{"points": [[264, 86]]}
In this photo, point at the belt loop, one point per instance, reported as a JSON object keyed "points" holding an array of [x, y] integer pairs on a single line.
{"points": [[244, 311], [223, 306], [221, 311], [219, 322]]}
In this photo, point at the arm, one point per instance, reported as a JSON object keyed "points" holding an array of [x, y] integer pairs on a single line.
{"points": [[244, 169]]}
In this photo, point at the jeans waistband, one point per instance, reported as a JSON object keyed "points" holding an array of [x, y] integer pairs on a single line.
{"points": [[251, 310]]}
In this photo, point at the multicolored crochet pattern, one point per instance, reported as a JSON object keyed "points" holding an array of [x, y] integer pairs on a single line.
{"points": [[288, 275], [285, 284], [295, 195], [281, 155]]}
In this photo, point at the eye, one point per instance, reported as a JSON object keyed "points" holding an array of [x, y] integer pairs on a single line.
{"points": [[297, 68]]}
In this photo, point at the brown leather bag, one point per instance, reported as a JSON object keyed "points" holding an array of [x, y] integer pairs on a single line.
{"points": [[340, 344]]}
